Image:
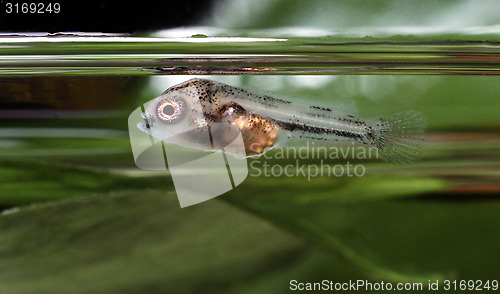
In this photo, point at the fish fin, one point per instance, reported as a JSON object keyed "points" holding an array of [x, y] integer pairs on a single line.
{"points": [[399, 138]]}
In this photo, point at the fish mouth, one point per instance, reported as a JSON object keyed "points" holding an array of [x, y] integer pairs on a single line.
{"points": [[147, 124], [144, 126]]}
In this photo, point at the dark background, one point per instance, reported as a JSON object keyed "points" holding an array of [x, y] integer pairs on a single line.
{"points": [[106, 16]]}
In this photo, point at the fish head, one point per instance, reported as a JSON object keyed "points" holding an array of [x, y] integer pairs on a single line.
{"points": [[182, 115], [176, 111]]}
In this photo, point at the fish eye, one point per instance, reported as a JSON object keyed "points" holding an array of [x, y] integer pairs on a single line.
{"points": [[171, 110]]}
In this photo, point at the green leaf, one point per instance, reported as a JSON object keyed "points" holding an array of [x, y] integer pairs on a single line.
{"points": [[393, 240], [137, 242]]}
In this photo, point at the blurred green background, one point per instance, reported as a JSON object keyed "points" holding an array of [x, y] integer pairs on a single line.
{"points": [[78, 216]]}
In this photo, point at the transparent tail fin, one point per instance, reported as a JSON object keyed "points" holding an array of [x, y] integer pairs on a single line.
{"points": [[398, 137]]}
